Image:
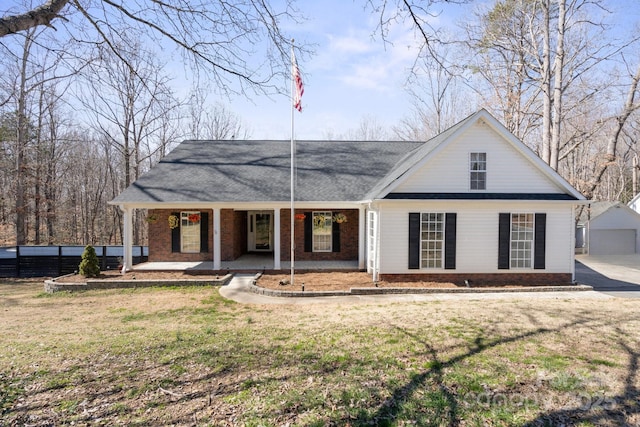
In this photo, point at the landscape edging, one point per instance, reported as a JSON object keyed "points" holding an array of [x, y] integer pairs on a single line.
{"points": [[51, 285], [391, 291]]}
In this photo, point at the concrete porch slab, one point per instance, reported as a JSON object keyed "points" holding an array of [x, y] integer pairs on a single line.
{"points": [[248, 262]]}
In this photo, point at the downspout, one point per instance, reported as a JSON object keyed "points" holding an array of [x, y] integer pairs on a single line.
{"points": [[362, 233], [588, 231]]}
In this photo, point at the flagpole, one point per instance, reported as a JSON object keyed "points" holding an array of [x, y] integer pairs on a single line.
{"points": [[293, 240]]}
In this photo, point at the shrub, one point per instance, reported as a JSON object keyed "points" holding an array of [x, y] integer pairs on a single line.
{"points": [[89, 266]]}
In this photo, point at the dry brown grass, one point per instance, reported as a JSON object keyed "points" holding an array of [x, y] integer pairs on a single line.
{"points": [[188, 357]]}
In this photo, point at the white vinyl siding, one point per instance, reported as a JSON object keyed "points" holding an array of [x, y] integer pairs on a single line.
{"points": [[477, 234], [190, 232], [448, 170]]}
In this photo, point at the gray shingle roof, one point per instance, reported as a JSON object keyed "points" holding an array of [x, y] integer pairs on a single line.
{"points": [[249, 171]]}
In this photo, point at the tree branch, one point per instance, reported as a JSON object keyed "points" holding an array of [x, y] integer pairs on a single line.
{"points": [[41, 15]]}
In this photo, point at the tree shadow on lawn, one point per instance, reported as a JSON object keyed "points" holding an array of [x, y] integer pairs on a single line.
{"points": [[622, 409], [204, 392]]}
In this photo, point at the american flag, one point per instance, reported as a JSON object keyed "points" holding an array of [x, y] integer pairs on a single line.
{"points": [[297, 79]]}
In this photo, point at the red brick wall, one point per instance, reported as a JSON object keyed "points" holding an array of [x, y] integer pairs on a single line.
{"points": [[160, 238], [240, 226], [233, 234], [348, 237], [479, 280], [233, 237]]}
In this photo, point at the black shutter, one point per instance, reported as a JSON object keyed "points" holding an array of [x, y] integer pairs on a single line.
{"points": [[504, 240], [308, 232], [175, 235], [335, 237], [450, 241], [414, 240], [204, 231], [539, 243]]}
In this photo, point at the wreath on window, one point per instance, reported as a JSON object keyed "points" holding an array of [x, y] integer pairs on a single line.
{"points": [[174, 222], [194, 218]]}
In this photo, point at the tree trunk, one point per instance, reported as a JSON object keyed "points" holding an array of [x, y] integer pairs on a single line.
{"points": [[22, 138], [41, 15], [558, 84], [546, 83]]}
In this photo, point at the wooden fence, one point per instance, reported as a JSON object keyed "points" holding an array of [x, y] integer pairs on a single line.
{"points": [[54, 261]]}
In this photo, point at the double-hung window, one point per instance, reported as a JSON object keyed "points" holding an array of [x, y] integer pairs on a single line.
{"points": [[478, 171], [522, 234], [322, 231], [431, 240], [190, 232]]}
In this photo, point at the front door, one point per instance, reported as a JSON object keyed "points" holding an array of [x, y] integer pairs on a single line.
{"points": [[260, 236]]}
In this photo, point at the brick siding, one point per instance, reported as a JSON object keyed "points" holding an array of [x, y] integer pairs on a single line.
{"points": [[233, 237], [160, 238], [348, 237]]}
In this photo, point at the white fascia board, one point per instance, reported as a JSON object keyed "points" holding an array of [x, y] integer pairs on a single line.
{"points": [[381, 202]]}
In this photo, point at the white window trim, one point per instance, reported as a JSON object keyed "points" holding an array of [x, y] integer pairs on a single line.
{"points": [[422, 241], [313, 234], [486, 161], [185, 233], [532, 242]]}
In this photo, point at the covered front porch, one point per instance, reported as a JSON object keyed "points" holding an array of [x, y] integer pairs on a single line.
{"points": [[251, 238], [247, 262]]}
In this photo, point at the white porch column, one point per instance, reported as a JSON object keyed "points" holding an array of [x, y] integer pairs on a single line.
{"points": [[127, 239], [276, 239], [362, 233], [217, 258], [378, 238]]}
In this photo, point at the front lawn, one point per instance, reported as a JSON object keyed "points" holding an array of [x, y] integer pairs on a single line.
{"points": [[159, 356]]}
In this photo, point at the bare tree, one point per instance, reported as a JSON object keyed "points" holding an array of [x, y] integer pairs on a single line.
{"points": [[420, 15], [129, 102], [214, 123], [218, 35], [536, 55], [438, 96], [631, 105]]}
